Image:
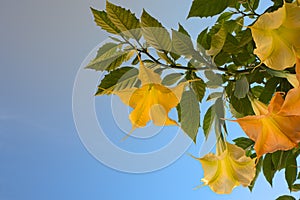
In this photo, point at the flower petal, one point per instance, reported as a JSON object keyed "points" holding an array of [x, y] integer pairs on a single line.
{"points": [[271, 20], [148, 76], [229, 169]]}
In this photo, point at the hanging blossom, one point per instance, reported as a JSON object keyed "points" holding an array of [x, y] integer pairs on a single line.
{"points": [[227, 169], [277, 126], [277, 36], [152, 101]]}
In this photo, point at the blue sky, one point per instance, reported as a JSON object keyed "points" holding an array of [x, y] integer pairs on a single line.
{"points": [[43, 44]]}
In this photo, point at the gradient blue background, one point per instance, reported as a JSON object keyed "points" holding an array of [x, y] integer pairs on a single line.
{"points": [[42, 44]]}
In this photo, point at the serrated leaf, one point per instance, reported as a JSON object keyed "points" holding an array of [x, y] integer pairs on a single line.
{"points": [[215, 80], [102, 20], [268, 168], [208, 120], [243, 142], [203, 39], [154, 33], [182, 45], [119, 79], [291, 170], [242, 106], [217, 42], [241, 87], [207, 8], [269, 90], [190, 114], [182, 30], [197, 85], [171, 79], [219, 109], [279, 159], [164, 56], [199, 88], [285, 197], [214, 95], [124, 20], [109, 57]]}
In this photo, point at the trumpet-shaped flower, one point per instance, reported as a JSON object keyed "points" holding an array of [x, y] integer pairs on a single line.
{"points": [[227, 169], [276, 127], [277, 36], [152, 101]]}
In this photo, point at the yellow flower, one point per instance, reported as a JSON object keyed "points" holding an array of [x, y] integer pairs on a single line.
{"points": [[277, 36], [152, 101], [227, 169], [292, 79]]}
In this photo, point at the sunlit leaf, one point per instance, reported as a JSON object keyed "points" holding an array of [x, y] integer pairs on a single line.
{"points": [[217, 42], [119, 79], [208, 120], [207, 8], [104, 22], [190, 114], [155, 34], [109, 57], [171, 79], [241, 87], [124, 20]]}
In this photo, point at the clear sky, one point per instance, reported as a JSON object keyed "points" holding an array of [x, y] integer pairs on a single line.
{"points": [[42, 46]]}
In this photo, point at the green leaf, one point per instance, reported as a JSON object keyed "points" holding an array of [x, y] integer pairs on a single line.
{"points": [[217, 42], [296, 188], [279, 159], [208, 120], [231, 44], [207, 8], [242, 106], [165, 57], [190, 114], [243, 142], [257, 90], [124, 20], [268, 168], [222, 58], [204, 39], [171, 79], [102, 20], [269, 90], [119, 79], [257, 172], [182, 30], [154, 33], [182, 44], [109, 57], [291, 170], [198, 86], [214, 95], [241, 87], [285, 197], [214, 79]]}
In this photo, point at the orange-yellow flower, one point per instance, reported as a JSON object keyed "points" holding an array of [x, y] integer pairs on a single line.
{"points": [[152, 101], [277, 36], [272, 129], [228, 169]]}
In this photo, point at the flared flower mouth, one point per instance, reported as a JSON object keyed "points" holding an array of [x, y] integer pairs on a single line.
{"points": [[276, 36], [152, 101], [227, 169]]}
